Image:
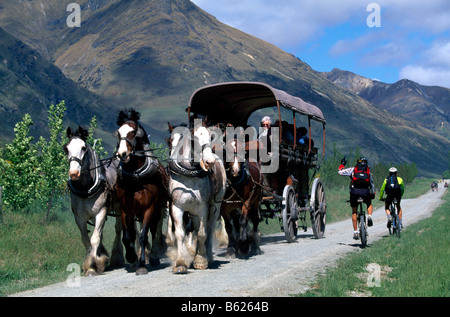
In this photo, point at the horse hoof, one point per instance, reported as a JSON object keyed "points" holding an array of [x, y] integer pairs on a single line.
{"points": [[91, 272], [141, 271], [230, 255], [180, 270], [257, 251], [200, 263]]}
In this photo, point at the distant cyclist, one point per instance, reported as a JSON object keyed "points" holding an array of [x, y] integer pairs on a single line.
{"points": [[361, 186], [394, 188]]}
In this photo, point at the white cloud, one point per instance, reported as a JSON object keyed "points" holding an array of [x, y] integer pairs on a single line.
{"points": [[283, 23], [432, 67], [439, 54], [432, 15], [429, 76]]}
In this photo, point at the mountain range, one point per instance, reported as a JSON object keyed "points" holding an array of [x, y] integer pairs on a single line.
{"points": [[424, 105], [152, 55]]}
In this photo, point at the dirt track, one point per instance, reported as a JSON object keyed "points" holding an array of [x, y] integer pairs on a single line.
{"points": [[283, 269]]}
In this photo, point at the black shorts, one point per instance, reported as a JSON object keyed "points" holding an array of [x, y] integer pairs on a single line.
{"points": [[355, 193], [390, 198]]}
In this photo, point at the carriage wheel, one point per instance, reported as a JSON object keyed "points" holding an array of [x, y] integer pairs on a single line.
{"points": [[289, 213], [318, 207]]}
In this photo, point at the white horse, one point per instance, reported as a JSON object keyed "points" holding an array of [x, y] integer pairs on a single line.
{"points": [[197, 185], [92, 198]]}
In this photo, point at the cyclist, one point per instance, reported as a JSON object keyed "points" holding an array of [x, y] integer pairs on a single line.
{"points": [[361, 186], [394, 188]]}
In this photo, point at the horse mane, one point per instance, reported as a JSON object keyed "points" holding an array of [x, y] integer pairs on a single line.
{"points": [[128, 115], [80, 132]]}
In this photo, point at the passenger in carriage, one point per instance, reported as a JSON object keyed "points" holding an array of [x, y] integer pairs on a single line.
{"points": [[303, 138], [266, 135], [286, 135], [265, 139]]}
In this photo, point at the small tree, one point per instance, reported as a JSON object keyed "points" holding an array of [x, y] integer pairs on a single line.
{"points": [[53, 160], [20, 168], [160, 151], [97, 144]]}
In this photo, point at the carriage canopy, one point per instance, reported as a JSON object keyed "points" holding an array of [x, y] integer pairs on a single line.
{"points": [[234, 102]]}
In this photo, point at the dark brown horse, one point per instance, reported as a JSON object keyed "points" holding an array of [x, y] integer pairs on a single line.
{"points": [[241, 203], [141, 190]]}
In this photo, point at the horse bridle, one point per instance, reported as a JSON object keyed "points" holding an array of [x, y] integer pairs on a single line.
{"points": [[133, 142], [74, 158]]}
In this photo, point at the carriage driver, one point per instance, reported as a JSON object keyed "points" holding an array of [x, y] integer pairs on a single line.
{"points": [[361, 186]]}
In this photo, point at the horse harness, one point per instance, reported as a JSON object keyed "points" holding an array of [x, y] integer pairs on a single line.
{"points": [[138, 177], [244, 179], [193, 169]]}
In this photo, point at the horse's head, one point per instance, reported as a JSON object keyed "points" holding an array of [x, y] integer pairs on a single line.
{"points": [[232, 162], [174, 140], [203, 138], [129, 134], [75, 150]]}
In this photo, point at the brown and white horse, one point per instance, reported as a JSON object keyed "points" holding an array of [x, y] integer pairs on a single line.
{"points": [[141, 190], [241, 202], [92, 198]]}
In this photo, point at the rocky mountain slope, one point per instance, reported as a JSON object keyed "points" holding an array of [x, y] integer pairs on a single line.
{"points": [[152, 55], [30, 83], [425, 105]]}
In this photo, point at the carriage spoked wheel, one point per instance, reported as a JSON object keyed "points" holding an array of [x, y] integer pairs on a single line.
{"points": [[318, 206], [289, 213]]}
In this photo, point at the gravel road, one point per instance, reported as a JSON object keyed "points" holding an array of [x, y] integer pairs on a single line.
{"points": [[283, 269]]}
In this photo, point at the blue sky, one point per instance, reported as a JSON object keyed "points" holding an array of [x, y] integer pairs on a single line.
{"points": [[413, 40]]}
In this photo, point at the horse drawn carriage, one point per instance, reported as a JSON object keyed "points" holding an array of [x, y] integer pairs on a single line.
{"points": [[287, 164], [265, 176]]}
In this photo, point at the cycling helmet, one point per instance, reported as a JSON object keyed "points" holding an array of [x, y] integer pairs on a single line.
{"points": [[362, 159], [393, 170]]}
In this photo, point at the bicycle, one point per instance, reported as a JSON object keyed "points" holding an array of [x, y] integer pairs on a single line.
{"points": [[362, 223], [395, 227]]}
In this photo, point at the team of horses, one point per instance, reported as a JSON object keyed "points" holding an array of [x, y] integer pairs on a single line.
{"points": [[196, 188]]}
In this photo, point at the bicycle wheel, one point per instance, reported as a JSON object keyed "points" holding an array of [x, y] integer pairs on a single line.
{"points": [[363, 231], [391, 225], [395, 220]]}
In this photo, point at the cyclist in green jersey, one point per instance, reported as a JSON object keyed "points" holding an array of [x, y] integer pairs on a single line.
{"points": [[394, 188]]}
